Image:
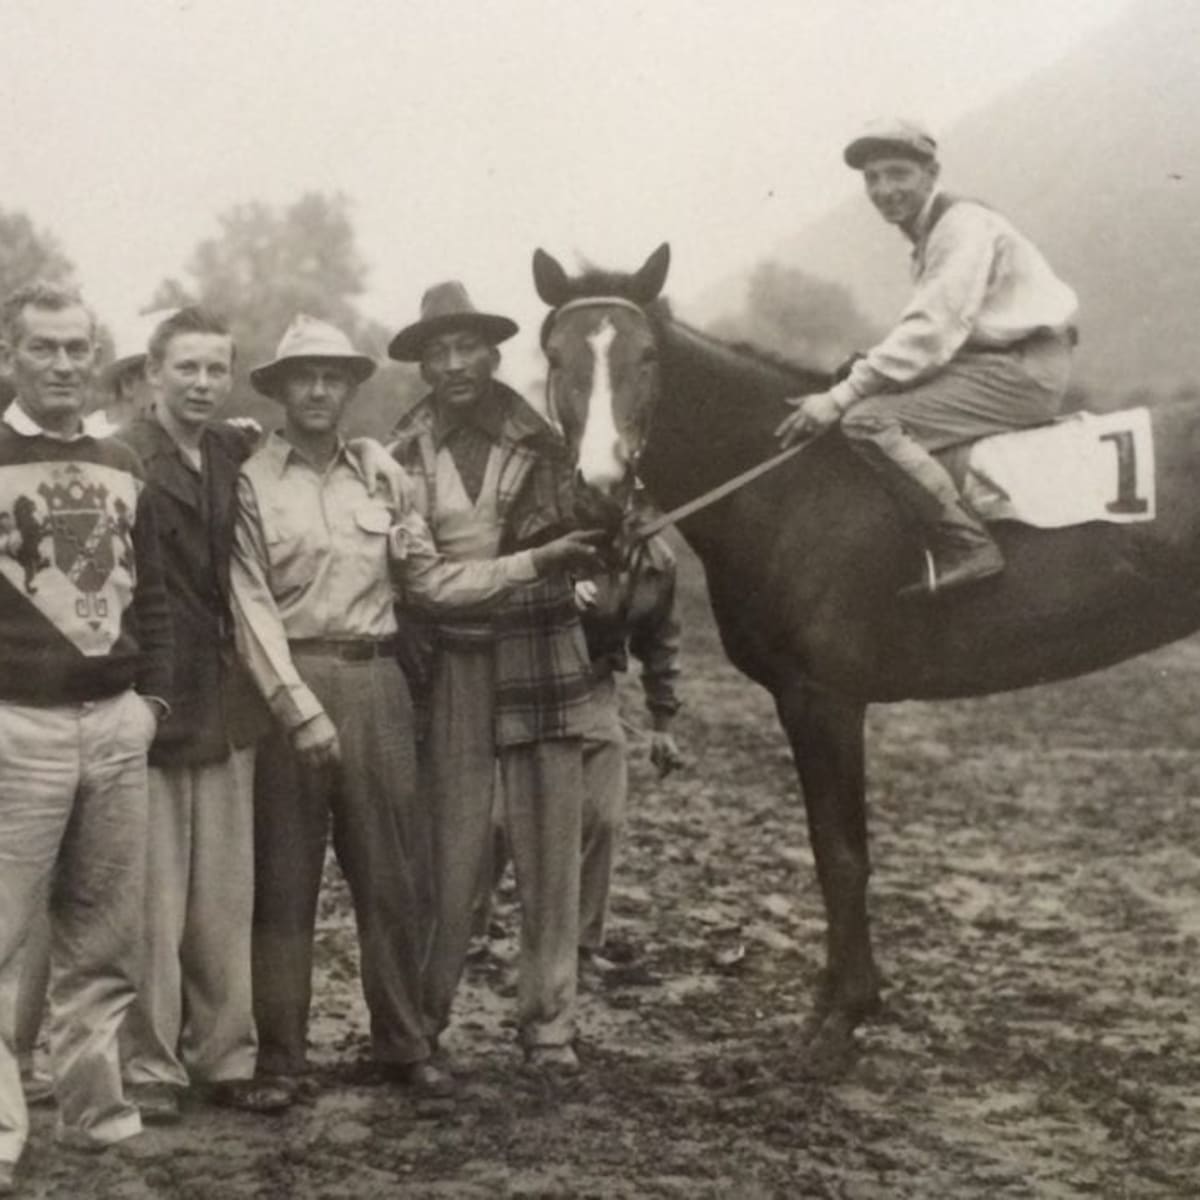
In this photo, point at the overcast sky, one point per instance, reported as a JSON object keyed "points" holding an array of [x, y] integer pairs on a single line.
{"points": [[467, 132]]}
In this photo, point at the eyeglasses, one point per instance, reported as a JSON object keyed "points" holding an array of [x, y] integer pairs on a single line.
{"points": [[307, 379]]}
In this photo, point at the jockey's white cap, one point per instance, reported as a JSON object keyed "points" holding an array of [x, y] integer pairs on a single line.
{"points": [[890, 136]]}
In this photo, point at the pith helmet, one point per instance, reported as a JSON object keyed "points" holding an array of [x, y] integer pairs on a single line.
{"points": [[306, 337]]}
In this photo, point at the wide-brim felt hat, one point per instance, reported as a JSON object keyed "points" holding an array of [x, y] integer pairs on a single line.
{"points": [[891, 136], [446, 307], [306, 337]]}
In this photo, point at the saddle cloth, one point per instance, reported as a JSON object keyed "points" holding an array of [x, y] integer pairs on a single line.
{"points": [[1085, 467]]}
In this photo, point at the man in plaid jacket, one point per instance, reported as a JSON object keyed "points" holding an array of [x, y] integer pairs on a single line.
{"points": [[512, 687]]}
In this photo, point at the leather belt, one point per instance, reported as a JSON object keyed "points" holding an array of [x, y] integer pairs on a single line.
{"points": [[347, 649], [1068, 336]]}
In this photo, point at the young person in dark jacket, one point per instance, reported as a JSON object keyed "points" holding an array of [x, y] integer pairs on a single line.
{"points": [[84, 669], [193, 1021]]}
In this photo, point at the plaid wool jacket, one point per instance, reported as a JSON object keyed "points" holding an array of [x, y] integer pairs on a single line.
{"points": [[543, 674]]}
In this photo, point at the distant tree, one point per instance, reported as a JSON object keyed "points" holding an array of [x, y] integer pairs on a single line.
{"points": [[27, 253], [812, 321], [263, 267]]}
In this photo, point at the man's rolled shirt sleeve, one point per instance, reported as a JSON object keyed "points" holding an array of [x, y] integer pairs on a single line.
{"points": [[258, 628]]}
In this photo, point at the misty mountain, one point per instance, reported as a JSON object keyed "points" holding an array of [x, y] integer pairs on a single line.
{"points": [[1098, 159]]}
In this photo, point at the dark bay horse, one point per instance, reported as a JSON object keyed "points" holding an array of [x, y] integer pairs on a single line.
{"points": [[803, 566]]}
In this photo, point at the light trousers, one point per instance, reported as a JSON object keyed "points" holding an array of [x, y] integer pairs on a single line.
{"points": [[34, 980], [977, 393], [605, 792], [543, 789], [73, 805], [193, 1018]]}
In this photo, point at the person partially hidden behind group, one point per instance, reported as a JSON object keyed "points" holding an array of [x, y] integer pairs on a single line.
{"points": [[984, 346]]}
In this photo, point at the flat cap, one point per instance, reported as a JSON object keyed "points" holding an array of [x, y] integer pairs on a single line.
{"points": [[892, 136]]}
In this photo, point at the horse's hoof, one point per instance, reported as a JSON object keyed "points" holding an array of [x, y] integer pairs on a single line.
{"points": [[830, 1050]]}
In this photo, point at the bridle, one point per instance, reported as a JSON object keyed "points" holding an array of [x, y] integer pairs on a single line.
{"points": [[639, 536], [630, 542]]}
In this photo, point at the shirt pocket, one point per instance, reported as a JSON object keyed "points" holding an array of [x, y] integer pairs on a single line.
{"points": [[373, 518], [366, 549], [296, 541]]}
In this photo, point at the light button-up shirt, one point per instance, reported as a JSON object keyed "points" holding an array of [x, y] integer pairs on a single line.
{"points": [[979, 284], [316, 556]]}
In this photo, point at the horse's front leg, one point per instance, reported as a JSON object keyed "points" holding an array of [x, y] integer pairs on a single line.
{"points": [[826, 734]]}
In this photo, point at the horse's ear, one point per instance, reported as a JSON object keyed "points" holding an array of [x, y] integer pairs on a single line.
{"points": [[652, 274], [550, 279]]}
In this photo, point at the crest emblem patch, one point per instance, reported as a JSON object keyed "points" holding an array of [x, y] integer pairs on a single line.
{"points": [[65, 543]]}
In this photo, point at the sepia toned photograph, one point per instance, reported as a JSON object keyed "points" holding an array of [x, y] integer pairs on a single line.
{"points": [[600, 600]]}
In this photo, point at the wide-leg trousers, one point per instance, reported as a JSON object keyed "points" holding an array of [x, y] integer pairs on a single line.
{"points": [[543, 788], [381, 840], [73, 806], [193, 1018], [605, 792]]}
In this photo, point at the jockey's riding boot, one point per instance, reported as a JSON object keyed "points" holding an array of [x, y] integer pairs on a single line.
{"points": [[961, 550]]}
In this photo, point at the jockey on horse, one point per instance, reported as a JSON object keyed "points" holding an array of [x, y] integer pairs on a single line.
{"points": [[983, 346]]}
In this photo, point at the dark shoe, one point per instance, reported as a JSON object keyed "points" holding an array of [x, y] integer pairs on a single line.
{"points": [[619, 953], [423, 1079], [259, 1095], [553, 1060], [157, 1102], [957, 564]]}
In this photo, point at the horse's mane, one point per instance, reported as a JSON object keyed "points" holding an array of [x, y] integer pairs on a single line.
{"points": [[738, 356], [734, 356]]}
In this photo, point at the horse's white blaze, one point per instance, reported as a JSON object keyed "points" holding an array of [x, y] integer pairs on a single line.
{"points": [[599, 460]]}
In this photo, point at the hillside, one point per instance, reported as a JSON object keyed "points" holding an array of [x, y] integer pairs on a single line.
{"points": [[1097, 158]]}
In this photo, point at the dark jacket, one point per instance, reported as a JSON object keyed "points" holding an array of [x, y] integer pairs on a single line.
{"points": [[213, 703], [634, 610]]}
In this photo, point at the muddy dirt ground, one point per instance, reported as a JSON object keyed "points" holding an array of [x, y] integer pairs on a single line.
{"points": [[1036, 902]]}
